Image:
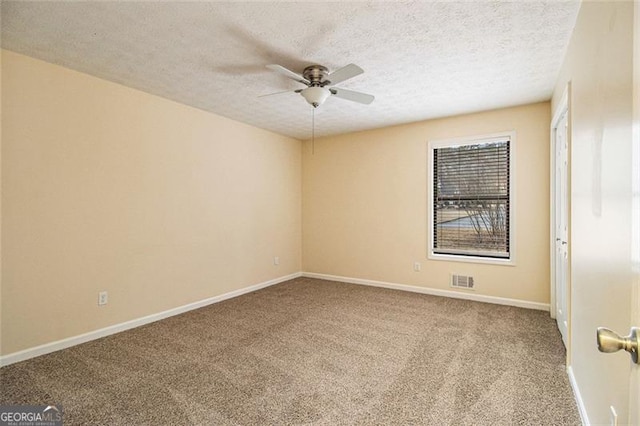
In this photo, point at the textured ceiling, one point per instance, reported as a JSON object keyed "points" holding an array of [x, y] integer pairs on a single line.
{"points": [[422, 60]]}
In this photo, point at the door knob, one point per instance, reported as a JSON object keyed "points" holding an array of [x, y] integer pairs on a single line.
{"points": [[609, 341]]}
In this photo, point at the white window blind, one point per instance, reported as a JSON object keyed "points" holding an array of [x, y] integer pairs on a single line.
{"points": [[471, 199]]}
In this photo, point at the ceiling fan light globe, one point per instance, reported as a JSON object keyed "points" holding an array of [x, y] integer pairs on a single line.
{"points": [[315, 95]]}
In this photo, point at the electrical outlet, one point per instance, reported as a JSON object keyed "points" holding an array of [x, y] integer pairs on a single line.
{"points": [[103, 298], [276, 261], [417, 267]]}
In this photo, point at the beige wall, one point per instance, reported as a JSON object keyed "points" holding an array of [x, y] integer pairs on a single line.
{"points": [[109, 188], [160, 204], [598, 64], [365, 205]]}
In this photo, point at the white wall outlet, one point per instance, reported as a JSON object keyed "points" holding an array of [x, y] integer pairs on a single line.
{"points": [[103, 298], [417, 266], [276, 261]]}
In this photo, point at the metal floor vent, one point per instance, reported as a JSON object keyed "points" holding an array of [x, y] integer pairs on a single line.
{"points": [[461, 281]]}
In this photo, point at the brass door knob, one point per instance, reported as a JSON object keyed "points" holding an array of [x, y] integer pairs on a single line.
{"points": [[609, 341]]}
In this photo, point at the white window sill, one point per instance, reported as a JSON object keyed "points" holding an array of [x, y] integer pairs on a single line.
{"points": [[472, 259]]}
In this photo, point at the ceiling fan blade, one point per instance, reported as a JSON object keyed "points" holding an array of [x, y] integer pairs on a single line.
{"points": [[350, 95], [344, 73], [276, 93], [288, 73], [281, 93]]}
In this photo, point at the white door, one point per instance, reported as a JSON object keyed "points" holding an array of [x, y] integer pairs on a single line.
{"points": [[561, 225], [604, 208]]}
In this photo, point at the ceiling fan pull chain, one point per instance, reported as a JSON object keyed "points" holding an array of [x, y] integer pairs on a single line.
{"points": [[313, 131]]}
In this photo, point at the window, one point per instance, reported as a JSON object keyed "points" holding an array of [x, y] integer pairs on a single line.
{"points": [[471, 200]]}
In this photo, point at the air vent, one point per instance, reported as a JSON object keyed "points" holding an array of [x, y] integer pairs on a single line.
{"points": [[462, 281]]}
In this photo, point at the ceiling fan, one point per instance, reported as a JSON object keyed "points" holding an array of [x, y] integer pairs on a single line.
{"points": [[320, 82]]}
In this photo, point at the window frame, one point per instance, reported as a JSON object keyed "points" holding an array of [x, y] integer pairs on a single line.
{"points": [[472, 140]]}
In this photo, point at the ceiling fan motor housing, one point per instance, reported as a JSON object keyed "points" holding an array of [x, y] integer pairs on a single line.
{"points": [[317, 75]]}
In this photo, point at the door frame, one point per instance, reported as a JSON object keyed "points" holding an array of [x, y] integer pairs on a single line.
{"points": [[562, 108]]}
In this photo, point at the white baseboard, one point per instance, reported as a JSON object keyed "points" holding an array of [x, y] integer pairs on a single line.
{"points": [[576, 393], [434, 292], [117, 328]]}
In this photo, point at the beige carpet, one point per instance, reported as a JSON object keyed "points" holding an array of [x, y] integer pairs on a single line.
{"points": [[313, 352]]}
